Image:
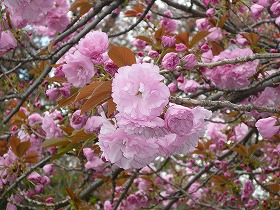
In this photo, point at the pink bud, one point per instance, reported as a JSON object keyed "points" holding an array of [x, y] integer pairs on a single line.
{"points": [[180, 47], [153, 54], [52, 94], [168, 41], [189, 61], [210, 12], [256, 11], [170, 61], [48, 169]]}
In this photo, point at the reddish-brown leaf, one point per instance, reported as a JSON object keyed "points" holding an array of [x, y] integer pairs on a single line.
{"points": [[159, 33], [55, 142], [130, 13], [146, 39], [14, 142], [3, 147], [31, 158], [87, 90], [22, 148], [121, 56], [96, 100], [80, 136], [240, 149], [222, 21], [216, 49], [70, 193], [198, 37], [183, 38], [77, 4], [111, 107]]}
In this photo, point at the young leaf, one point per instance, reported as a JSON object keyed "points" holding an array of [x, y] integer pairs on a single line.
{"points": [[14, 142], [199, 36], [31, 158], [22, 148], [121, 56], [87, 90], [52, 142]]}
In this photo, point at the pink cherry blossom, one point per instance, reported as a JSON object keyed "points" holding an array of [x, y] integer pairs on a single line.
{"points": [[7, 42], [93, 124], [216, 34], [77, 120], [179, 119], [248, 190], [189, 86], [168, 24], [189, 61], [48, 169], [256, 11], [34, 118], [202, 24], [180, 47], [52, 93], [170, 61], [78, 69], [168, 41], [268, 127], [95, 43], [232, 76], [126, 150], [140, 44], [50, 127], [148, 128], [138, 91]]}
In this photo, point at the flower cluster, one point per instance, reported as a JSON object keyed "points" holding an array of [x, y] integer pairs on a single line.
{"points": [[232, 76], [139, 134]]}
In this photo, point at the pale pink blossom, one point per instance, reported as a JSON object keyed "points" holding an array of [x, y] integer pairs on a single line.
{"points": [[210, 12], [153, 54], [268, 127], [232, 76], [78, 69], [140, 44], [52, 93], [110, 67], [168, 23], [148, 127], [139, 92], [11, 206], [34, 10], [94, 43], [275, 8], [180, 47], [173, 87], [256, 11], [7, 42], [126, 150], [48, 169], [170, 61], [49, 125], [168, 41], [189, 86], [34, 119], [65, 89], [189, 62], [216, 34], [202, 24], [93, 124], [93, 162], [179, 119]]}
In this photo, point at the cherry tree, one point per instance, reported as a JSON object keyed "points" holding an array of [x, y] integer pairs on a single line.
{"points": [[145, 104]]}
